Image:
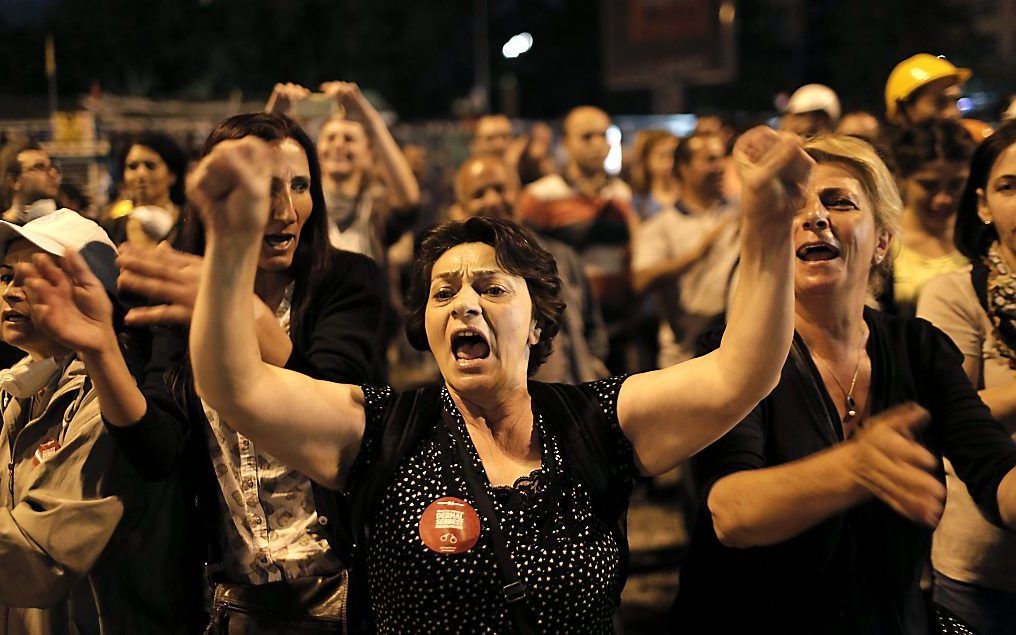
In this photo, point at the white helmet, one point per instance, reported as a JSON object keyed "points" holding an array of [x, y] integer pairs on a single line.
{"points": [[812, 97]]}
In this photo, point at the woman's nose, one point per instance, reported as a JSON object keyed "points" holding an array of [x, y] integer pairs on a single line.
{"points": [[283, 208], [466, 303], [816, 223], [816, 217], [12, 292]]}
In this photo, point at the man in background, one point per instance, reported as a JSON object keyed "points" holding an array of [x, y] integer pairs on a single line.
{"points": [[29, 182]]}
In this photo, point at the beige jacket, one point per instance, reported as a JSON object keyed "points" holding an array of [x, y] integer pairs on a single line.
{"points": [[86, 546]]}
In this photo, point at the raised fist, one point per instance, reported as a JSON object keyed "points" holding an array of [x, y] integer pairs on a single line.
{"points": [[774, 171], [231, 189]]}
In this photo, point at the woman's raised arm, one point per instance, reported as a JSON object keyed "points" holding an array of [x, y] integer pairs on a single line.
{"points": [[313, 426], [670, 414]]}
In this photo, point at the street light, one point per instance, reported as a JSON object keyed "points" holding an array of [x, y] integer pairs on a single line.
{"points": [[517, 45], [612, 164]]}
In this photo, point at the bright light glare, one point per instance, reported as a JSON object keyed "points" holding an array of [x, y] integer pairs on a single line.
{"points": [[727, 13], [965, 104], [517, 45], [612, 164]]}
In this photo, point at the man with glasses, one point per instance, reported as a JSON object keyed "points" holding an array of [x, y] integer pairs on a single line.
{"points": [[30, 181]]}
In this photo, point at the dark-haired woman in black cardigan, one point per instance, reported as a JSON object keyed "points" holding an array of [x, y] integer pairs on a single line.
{"points": [[268, 535]]}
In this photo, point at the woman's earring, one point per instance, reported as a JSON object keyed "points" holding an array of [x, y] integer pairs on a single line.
{"points": [[987, 221]]}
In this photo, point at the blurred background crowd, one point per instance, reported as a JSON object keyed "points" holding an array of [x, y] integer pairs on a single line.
{"points": [[606, 127]]}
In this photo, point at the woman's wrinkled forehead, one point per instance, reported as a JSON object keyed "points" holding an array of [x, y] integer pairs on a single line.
{"points": [[289, 159], [467, 261], [839, 175]]}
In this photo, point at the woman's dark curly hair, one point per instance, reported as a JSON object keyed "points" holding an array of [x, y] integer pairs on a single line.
{"points": [[930, 141], [971, 235], [517, 252]]}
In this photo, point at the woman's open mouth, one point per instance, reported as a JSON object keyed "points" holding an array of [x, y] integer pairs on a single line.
{"points": [[816, 252], [13, 317], [468, 345], [279, 242]]}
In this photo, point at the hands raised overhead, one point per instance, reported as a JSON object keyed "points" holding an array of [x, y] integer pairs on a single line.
{"points": [[348, 97], [284, 98]]}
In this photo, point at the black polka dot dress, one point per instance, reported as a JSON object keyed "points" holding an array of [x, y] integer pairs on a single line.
{"points": [[566, 555]]}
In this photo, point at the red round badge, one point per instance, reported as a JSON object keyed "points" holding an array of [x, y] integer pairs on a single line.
{"points": [[449, 525]]}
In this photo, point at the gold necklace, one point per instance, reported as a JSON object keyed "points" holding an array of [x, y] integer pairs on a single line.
{"points": [[849, 402]]}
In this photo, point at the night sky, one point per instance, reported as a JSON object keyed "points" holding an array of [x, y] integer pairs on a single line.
{"points": [[419, 55]]}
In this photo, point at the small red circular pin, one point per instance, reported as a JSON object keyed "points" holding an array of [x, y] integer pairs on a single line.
{"points": [[449, 525]]}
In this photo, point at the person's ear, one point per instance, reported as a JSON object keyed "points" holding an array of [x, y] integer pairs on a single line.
{"points": [[883, 242], [982, 207], [534, 334]]}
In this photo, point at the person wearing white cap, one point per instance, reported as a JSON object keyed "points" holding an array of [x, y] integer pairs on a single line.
{"points": [[83, 539], [813, 109]]}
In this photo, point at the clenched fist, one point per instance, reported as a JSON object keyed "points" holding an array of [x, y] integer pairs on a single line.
{"points": [[774, 171], [231, 189]]}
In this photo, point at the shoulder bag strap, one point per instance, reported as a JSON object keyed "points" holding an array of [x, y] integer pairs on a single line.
{"points": [[514, 588]]}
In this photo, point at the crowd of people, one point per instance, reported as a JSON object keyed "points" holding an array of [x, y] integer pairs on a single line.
{"points": [[266, 391]]}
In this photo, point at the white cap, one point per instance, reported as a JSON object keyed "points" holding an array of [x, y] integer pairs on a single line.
{"points": [[55, 233], [66, 229], [812, 97]]}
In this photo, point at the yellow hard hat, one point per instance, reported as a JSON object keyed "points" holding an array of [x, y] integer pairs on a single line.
{"points": [[914, 72]]}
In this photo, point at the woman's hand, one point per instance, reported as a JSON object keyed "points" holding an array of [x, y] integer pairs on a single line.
{"points": [[69, 302], [230, 188], [774, 172], [163, 274], [284, 98], [348, 96], [888, 461]]}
